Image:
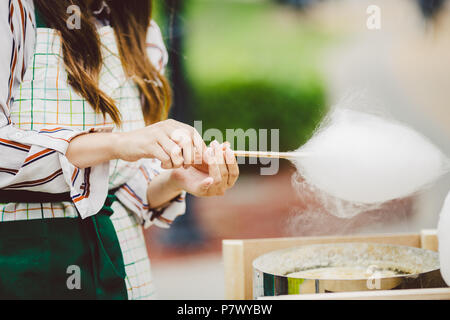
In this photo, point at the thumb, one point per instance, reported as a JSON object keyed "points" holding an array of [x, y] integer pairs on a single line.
{"points": [[206, 183]]}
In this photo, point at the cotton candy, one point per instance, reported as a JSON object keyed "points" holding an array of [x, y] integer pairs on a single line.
{"points": [[365, 158]]}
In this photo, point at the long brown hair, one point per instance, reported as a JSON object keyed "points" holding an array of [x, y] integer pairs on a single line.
{"points": [[130, 20]]}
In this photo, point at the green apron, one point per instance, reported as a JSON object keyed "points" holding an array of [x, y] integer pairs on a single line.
{"points": [[40, 259], [60, 258]]}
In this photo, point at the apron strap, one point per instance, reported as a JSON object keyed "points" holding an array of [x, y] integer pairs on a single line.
{"points": [[24, 196], [106, 255], [40, 23], [107, 239]]}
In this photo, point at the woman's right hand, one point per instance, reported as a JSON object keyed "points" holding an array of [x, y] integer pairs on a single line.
{"points": [[172, 142]]}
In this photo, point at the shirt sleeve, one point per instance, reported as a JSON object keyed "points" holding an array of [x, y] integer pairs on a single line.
{"points": [[35, 160], [133, 195]]}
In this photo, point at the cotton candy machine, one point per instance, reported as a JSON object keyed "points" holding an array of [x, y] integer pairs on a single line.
{"points": [[343, 267]]}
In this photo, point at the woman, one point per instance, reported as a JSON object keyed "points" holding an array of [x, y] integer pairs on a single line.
{"points": [[86, 155]]}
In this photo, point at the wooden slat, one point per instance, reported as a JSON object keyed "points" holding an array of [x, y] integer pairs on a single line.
{"points": [[429, 239], [238, 255], [409, 294], [234, 273]]}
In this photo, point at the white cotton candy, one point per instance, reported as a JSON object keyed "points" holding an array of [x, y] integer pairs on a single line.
{"points": [[365, 158], [444, 240]]}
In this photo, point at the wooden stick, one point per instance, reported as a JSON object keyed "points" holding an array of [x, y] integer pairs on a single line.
{"points": [[269, 154]]}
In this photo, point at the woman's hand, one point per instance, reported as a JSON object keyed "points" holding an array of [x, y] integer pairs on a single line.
{"points": [[174, 143], [214, 176], [219, 172]]}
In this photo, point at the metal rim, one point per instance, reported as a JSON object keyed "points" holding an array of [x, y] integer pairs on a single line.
{"points": [[257, 262]]}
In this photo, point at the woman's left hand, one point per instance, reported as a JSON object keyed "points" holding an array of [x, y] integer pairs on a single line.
{"points": [[219, 172]]}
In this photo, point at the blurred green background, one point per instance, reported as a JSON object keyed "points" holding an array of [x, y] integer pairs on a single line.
{"points": [[250, 64]]}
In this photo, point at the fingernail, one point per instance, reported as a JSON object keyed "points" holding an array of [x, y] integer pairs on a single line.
{"points": [[209, 155], [176, 150], [197, 157], [209, 183], [214, 143], [229, 154]]}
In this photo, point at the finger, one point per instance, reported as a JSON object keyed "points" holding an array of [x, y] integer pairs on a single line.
{"points": [[173, 150], [220, 159], [199, 147], [213, 168], [205, 185], [179, 134], [233, 168], [199, 144], [159, 153], [188, 150], [183, 138], [225, 145]]}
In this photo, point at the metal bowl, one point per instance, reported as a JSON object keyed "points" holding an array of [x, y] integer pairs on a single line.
{"points": [[344, 267]]}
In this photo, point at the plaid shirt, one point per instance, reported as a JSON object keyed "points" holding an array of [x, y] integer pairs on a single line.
{"points": [[40, 113]]}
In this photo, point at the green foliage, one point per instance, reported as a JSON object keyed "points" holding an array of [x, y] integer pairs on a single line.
{"points": [[261, 104], [254, 64]]}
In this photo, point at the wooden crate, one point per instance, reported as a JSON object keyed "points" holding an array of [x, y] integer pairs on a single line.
{"points": [[238, 256], [409, 294]]}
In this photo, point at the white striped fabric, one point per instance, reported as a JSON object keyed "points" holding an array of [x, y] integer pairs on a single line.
{"points": [[40, 113]]}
